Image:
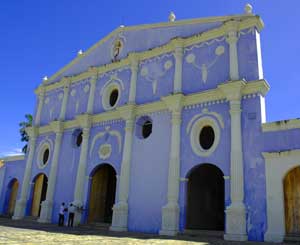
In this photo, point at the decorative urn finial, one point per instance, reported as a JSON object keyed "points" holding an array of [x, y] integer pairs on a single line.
{"points": [[80, 52], [248, 8], [172, 17], [45, 79]]}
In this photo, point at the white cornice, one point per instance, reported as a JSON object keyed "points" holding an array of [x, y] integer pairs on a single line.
{"points": [[13, 158], [258, 86], [281, 154], [245, 21], [281, 125]]}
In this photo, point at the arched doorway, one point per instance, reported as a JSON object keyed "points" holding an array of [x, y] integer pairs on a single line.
{"points": [[291, 184], [39, 194], [205, 198], [12, 195], [102, 194]]}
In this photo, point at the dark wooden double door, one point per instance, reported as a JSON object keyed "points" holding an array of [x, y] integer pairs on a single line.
{"points": [[205, 198]]}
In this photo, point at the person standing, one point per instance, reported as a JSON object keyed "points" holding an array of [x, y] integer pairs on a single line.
{"points": [[71, 210], [61, 218]]}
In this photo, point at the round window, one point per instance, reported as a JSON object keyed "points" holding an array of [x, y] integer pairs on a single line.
{"points": [[146, 129], [79, 139], [207, 137], [113, 98], [46, 156], [110, 95], [143, 127]]}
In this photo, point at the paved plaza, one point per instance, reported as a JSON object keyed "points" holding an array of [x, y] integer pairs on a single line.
{"points": [[30, 232]]}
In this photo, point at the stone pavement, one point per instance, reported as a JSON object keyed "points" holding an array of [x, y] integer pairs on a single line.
{"points": [[30, 232]]}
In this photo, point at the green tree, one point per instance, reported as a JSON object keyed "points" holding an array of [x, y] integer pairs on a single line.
{"points": [[23, 125]]}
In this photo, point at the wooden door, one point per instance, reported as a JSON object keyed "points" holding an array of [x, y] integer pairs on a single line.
{"points": [[98, 195], [292, 201], [13, 197], [37, 193]]}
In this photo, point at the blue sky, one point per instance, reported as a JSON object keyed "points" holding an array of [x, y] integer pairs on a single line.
{"points": [[39, 37]]}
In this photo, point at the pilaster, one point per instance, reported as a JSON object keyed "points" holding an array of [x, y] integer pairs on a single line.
{"points": [[232, 38], [41, 95], [92, 94], [236, 212], [85, 122], [21, 203], [66, 82], [134, 60], [120, 209], [178, 54], [170, 212], [47, 205]]}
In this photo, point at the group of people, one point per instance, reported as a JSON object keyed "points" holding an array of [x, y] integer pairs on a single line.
{"points": [[63, 210]]}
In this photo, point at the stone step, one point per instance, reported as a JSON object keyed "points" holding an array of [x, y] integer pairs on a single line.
{"points": [[204, 233], [96, 225], [292, 238]]}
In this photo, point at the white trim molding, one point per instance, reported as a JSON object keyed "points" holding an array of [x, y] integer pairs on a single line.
{"points": [[277, 165], [196, 130], [13, 158], [244, 22], [281, 125]]}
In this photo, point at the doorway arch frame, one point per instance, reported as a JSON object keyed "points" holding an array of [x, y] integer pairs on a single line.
{"points": [[186, 179], [8, 194], [89, 185], [31, 196], [277, 165]]}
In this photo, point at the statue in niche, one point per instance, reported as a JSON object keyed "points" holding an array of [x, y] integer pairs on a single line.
{"points": [[117, 48]]}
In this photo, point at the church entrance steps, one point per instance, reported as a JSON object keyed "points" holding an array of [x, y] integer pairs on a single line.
{"points": [[203, 233], [96, 225], [292, 238]]}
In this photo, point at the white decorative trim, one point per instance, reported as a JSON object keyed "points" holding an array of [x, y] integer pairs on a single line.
{"points": [[281, 125], [205, 112], [204, 67], [113, 83], [42, 148], [154, 78], [195, 132], [205, 43], [245, 22], [206, 98], [114, 133], [277, 164], [104, 151], [13, 158]]}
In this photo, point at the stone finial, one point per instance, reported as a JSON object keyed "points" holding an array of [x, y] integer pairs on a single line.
{"points": [[122, 26], [45, 79], [172, 17], [80, 52], [248, 8]]}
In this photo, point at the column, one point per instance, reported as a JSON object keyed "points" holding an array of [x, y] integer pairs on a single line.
{"points": [[236, 212], [170, 212], [232, 39], [65, 100], [120, 209], [21, 203], [85, 122], [178, 67], [47, 205], [92, 95], [134, 70], [41, 94]]}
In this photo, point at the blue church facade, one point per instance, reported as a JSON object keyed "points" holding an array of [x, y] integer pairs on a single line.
{"points": [[168, 121]]}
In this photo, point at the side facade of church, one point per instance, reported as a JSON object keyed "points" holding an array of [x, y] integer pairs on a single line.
{"points": [[160, 129]]}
